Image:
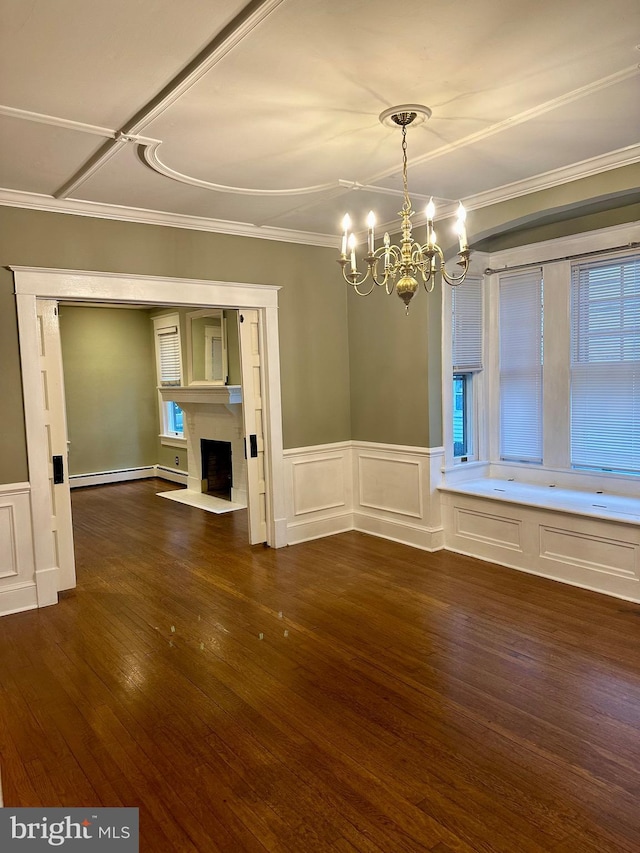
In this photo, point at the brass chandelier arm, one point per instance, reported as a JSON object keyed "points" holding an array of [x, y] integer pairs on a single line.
{"points": [[451, 278], [391, 265]]}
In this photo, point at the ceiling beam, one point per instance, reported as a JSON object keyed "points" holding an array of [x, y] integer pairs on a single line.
{"points": [[226, 40]]}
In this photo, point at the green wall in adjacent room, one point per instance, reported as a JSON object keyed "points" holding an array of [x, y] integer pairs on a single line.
{"points": [[314, 354], [110, 388]]}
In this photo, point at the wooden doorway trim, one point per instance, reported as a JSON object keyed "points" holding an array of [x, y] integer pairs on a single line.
{"points": [[33, 283]]}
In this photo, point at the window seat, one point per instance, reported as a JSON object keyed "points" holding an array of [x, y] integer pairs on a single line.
{"points": [[576, 536], [604, 505]]}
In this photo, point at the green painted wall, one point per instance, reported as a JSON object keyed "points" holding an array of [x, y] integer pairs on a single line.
{"points": [[389, 357], [313, 318], [109, 375], [395, 359], [350, 367]]}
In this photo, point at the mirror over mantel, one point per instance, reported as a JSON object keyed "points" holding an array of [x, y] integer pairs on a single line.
{"points": [[207, 360]]}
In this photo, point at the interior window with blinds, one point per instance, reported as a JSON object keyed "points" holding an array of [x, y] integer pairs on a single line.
{"points": [[169, 355], [605, 365], [521, 331], [169, 373], [466, 339]]}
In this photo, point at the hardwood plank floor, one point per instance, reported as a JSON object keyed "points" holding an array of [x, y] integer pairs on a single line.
{"points": [[347, 694]]}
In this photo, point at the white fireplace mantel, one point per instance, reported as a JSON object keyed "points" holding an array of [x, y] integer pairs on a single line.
{"points": [[211, 412], [208, 395]]}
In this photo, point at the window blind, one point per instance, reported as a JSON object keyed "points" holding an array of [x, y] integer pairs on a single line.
{"points": [[605, 365], [520, 329], [169, 355], [467, 326]]}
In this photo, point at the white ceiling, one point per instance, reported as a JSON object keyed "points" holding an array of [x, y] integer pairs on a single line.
{"points": [[263, 118]]}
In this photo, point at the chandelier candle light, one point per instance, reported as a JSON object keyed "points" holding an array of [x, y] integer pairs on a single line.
{"points": [[409, 260]]}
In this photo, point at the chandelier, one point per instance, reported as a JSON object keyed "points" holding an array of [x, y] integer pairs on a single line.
{"points": [[410, 260]]}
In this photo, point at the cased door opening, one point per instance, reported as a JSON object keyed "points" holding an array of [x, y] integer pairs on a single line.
{"points": [[37, 294]]}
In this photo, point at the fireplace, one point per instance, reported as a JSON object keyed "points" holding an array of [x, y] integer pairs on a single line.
{"points": [[213, 416], [217, 471]]}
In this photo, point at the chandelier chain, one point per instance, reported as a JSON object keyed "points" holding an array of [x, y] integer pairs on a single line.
{"points": [[406, 204]]}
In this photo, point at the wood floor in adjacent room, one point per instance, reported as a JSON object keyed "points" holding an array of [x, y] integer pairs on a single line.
{"points": [[347, 694]]}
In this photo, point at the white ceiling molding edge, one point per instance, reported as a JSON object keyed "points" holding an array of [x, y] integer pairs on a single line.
{"points": [[36, 201], [150, 156], [47, 203], [56, 121]]}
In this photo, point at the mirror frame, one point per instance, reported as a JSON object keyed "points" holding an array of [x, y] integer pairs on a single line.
{"points": [[195, 315]]}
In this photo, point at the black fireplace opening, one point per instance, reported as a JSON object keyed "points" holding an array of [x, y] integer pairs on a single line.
{"points": [[217, 475]]}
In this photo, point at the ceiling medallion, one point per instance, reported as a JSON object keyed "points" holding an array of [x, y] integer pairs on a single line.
{"points": [[410, 260]]}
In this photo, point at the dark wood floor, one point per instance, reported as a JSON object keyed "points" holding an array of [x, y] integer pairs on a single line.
{"points": [[346, 694]]}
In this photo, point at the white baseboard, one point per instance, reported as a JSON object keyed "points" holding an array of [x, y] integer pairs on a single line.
{"points": [[304, 531], [174, 475], [18, 598], [425, 538], [101, 478]]}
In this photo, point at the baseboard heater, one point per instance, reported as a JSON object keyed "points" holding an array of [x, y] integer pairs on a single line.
{"points": [[100, 478]]}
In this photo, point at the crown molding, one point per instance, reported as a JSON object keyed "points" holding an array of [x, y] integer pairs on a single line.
{"points": [[547, 180], [47, 203], [556, 177], [627, 156]]}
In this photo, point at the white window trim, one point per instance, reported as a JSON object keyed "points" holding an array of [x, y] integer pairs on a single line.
{"points": [[164, 321], [556, 465], [478, 430], [172, 441]]}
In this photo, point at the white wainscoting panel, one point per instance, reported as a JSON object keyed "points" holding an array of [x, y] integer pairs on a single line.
{"points": [[488, 527], [319, 491], [396, 495], [390, 485], [599, 554], [18, 587], [585, 551]]}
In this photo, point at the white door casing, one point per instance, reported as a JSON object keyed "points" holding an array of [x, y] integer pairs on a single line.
{"points": [[45, 422], [252, 413], [32, 284], [55, 424]]}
